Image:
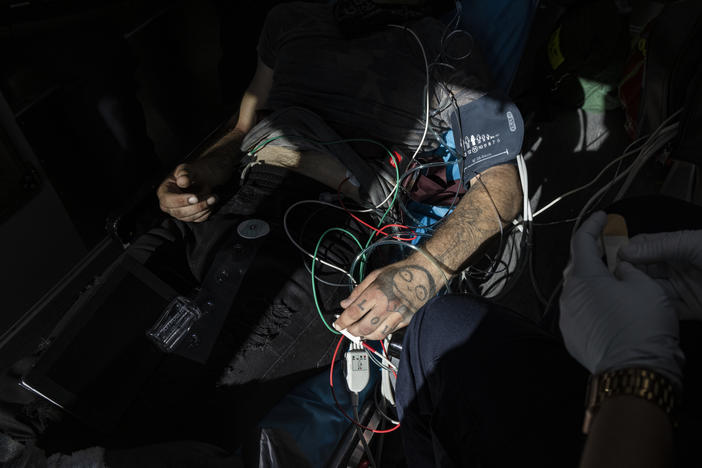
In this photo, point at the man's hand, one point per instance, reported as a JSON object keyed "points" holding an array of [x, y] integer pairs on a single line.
{"points": [[387, 299], [181, 198], [674, 260], [187, 195], [616, 321]]}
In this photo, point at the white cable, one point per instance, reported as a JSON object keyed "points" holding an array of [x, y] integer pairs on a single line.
{"points": [[650, 149], [426, 102], [300, 248], [524, 179], [627, 153], [640, 160], [380, 364]]}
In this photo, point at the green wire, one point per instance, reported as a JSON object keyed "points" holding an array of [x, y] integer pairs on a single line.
{"points": [[258, 148], [314, 261]]}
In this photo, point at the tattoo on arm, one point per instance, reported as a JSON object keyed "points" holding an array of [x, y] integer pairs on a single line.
{"points": [[488, 205]]}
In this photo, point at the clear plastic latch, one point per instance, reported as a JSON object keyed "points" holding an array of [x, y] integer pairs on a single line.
{"points": [[175, 323]]}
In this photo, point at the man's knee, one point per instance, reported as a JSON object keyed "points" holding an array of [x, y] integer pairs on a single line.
{"points": [[444, 323]]}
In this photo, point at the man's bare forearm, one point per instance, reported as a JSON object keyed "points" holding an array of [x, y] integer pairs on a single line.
{"points": [[225, 153], [492, 201]]}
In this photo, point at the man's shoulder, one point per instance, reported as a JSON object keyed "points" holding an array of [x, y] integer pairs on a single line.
{"points": [[300, 14]]}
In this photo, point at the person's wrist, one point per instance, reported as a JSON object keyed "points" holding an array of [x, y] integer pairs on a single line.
{"points": [[634, 382], [439, 273], [667, 361]]}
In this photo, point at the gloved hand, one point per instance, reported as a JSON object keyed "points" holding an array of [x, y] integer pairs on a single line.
{"points": [[616, 321], [674, 259]]}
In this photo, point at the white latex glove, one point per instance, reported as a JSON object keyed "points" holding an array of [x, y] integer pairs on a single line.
{"points": [[614, 321], [674, 259]]}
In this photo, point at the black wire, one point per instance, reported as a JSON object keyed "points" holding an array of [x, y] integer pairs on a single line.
{"points": [[521, 263], [551, 299], [534, 283], [366, 448], [553, 223], [379, 448], [381, 440], [377, 405]]}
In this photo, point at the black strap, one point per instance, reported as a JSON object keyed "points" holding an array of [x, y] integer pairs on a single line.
{"points": [[219, 289]]}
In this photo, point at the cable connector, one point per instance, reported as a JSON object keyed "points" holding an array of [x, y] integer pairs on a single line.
{"points": [[357, 369]]}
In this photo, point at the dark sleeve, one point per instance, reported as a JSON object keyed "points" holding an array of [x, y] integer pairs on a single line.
{"points": [[269, 41]]}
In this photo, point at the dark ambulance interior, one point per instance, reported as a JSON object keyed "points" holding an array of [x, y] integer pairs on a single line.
{"points": [[100, 99]]}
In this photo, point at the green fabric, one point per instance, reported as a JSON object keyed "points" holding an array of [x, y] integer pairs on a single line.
{"points": [[599, 96]]}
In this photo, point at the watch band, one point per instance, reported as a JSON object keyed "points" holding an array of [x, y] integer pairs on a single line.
{"points": [[637, 382]]}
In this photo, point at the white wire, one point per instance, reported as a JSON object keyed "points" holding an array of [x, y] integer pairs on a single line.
{"points": [[627, 153], [426, 101], [524, 179], [640, 160], [650, 148], [300, 248], [389, 367]]}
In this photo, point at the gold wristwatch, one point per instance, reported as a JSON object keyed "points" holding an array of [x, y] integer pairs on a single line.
{"points": [[641, 383]]}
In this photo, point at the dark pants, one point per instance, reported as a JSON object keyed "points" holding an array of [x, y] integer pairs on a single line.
{"points": [[480, 386], [273, 338]]}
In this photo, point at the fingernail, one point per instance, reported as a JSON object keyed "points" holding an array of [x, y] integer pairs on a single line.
{"points": [[211, 200], [336, 327], [192, 200]]}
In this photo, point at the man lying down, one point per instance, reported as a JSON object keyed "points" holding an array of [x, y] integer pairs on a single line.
{"points": [[313, 88]]}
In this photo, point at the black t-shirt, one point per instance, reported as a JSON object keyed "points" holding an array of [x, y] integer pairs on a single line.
{"points": [[374, 86], [371, 86]]}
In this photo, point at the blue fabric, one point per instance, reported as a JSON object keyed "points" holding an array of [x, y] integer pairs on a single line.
{"points": [[480, 386], [500, 28], [309, 415], [429, 215]]}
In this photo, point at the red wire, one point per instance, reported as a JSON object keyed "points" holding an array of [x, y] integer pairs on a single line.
{"points": [[365, 345], [409, 239], [376, 230], [331, 385]]}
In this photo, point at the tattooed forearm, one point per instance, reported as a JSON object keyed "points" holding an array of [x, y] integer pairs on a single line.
{"points": [[397, 291], [491, 202]]}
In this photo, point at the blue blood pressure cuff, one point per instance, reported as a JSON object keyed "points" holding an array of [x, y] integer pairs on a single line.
{"points": [[487, 132]]}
